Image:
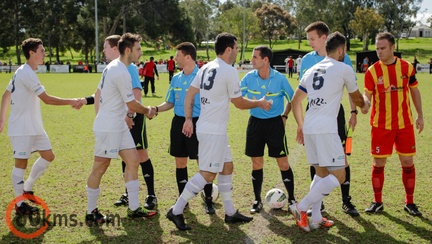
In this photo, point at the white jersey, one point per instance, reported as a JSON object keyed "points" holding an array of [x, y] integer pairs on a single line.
{"points": [[25, 115], [116, 91], [298, 64], [324, 83], [218, 83]]}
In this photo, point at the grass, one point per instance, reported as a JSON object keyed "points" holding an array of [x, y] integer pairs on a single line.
{"points": [[63, 185]]}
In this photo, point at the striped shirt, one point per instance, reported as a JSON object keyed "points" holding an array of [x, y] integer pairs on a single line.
{"points": [[389, 86]]}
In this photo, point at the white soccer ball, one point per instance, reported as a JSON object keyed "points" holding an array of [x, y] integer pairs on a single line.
{"points": [[215, 193], [276, 198]]}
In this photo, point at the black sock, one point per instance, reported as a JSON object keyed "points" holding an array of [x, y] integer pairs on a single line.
{"points": [[123, 170], [288, 180], [257, 180], [208, 188], [148, 173], [182, 178], [345, 187], [312, 172]]}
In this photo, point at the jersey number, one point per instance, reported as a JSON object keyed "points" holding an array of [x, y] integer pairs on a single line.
{"points": [[13, 84], [318, 81], [208, 84]]}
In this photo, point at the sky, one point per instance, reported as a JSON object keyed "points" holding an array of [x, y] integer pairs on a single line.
{"points": [[425, 11]]}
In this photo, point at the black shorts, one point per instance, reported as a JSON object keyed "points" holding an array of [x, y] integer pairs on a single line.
{"points": [[266, 131], [139, 132], [342, 130], [180, 145]]}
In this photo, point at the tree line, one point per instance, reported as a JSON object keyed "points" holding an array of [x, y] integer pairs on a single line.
{"points": [[69, 25]]}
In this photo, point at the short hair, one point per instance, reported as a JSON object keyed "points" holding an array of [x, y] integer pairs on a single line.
{"points": [[320, 27], [30, 44], [385, 36], [187, 48], [334, 41], [113, 40], [151, 58], [265, 52], [127, 40], [224, 40]]}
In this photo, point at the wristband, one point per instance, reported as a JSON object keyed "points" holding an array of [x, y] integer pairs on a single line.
{"points": [[354, 111], [157, 109], [90, 100], [284, 116]]}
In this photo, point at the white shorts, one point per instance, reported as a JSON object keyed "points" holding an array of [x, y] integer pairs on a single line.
{"points": [[109, 144], [324, 149], [213, 152], [23, 146]]}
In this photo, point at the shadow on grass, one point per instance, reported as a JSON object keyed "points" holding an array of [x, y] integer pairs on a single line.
{"points": [[24, 227], [415, 230]]}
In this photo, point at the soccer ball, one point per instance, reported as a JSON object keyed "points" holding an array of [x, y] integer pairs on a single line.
{"points": [[215, 193], [276, 198]]}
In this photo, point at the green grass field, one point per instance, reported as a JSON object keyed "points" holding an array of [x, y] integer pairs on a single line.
{"points": [[63, 186]]}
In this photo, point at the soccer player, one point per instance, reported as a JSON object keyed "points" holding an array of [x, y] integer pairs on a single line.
{"points": [[182, 147], [171, 68], [217, 83], [25, 127], [150, 69], [137, 126], [298, 65], [317, 33], [323, 86], [388, 84], [116, 99], [267, 127]]}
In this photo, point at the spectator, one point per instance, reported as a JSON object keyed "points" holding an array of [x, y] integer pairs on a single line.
{"points": [[171, 68], [150, 70], [415, 62]]}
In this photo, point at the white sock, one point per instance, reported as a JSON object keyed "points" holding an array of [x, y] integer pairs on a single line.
{"points": [[318, 192], [18, 182], [316, 207], [37, 170], [193, 186], [225, 190], [92, 197], [133, 191]]}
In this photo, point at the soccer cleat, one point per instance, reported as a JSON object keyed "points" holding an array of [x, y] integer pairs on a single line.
{"points": [[25, 209], [412, 209], [323, 223], [237, 218], [178, 220], [123, 201], [95, 217], [209, 206], [140, 213], [309, 211], [256, 207], [375, 207], [150, 202], [300, 217], [349, 208], [30, 196]]}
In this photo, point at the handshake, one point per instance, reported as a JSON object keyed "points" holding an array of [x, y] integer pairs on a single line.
{"points": [[153, 112]]}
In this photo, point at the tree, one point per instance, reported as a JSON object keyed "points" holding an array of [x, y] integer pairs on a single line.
{"points": [[274, 22], [365, 22]]}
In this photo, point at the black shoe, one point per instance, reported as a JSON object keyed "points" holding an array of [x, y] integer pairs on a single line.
{"points": [[30, 196], [178, 220], [123, 201], [150, 202], [375, 207], [25, 209], [141, 213], [349, 208], [237, 218], [209, 206], [412, 209], [309, 211], [256, 207], [95, 217]]}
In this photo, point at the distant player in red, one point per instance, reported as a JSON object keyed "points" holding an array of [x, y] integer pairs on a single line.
{"points": [[149, 76], [389, 83], [171, 68]]}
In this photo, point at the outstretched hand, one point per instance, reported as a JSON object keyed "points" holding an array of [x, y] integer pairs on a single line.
{"points": [[265, 104]]}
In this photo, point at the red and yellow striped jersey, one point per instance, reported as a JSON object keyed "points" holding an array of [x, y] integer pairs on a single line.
{"points": [[389, 86]]}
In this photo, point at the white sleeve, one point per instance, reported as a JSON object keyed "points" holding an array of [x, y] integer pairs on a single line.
{"points": [[350, 80]]}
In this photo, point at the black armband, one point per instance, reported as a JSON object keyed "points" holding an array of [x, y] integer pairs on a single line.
{"points": [[90, 100]]}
